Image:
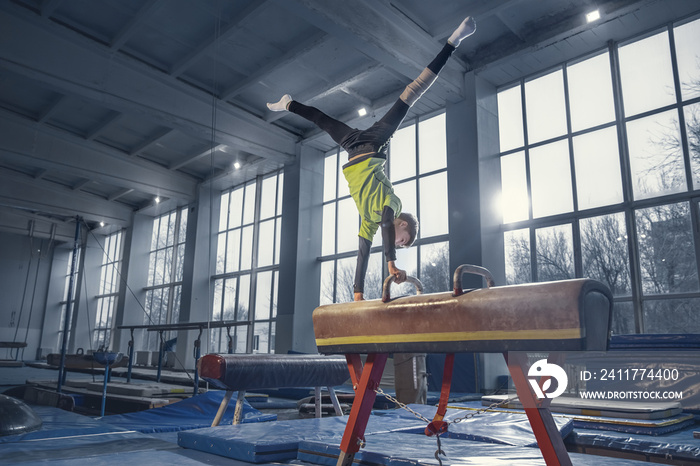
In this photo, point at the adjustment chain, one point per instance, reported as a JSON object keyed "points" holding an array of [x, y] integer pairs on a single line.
{"points": [[379, 391], [497, 404], [439, 450]]}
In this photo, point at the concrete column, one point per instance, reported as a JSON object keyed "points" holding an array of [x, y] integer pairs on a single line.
{"points": [[199, 266], [132, 296], [474, 186], [474, 180], [300, 271]]}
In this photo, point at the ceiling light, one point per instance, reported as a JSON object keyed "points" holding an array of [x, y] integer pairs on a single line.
{"points": [[157, 199], [593, 16], [362, 111], [236, 165], [102, 224]]}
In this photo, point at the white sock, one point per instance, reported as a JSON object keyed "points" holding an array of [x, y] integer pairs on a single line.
{"points": [[463, 31], [281, 105]]}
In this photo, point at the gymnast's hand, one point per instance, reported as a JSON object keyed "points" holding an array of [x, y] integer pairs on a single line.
{"points": [[399, 275], [359, 296]]}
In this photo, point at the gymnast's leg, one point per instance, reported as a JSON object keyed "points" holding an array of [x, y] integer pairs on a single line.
{"points": [[388, 124], [336, 129], [383, 129]]}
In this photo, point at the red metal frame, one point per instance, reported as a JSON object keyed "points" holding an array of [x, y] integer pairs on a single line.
{"points": [[366, 380], [543, 426], [365, 395]]}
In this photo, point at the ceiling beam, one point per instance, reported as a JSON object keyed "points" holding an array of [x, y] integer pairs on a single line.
{"points": [[377, 33], [49, 198], [122, 192], [121, 37], [194, 157], [103, 125], [337, 83], [49, 6], [81, 184], [550, 30], [291, 56], [71, 64], [479, 11], [48, 112], [150, 141], [231, 28], [55, 149], [25, 223]]}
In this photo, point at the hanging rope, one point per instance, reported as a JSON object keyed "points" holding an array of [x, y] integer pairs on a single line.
{"points": [[24, 290], [32, 255], [212, 145]]}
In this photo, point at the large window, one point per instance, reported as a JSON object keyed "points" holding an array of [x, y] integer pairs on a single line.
{"points": [[108, 290], [599, 170], [165, 273], [417, 167], [247, 266]]}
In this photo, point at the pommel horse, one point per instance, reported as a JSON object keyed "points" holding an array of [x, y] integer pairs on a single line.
{"points": [[569, 315]]}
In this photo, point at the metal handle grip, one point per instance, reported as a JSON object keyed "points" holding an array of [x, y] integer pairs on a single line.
{"points": [[475, 269], [390, 279]]}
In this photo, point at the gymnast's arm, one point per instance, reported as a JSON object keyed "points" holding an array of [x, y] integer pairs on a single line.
{"points": [[361, 269], [389, 241]]}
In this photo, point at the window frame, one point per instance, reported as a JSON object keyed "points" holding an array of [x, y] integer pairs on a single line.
{"points": [[629, 205], [218, 336]]}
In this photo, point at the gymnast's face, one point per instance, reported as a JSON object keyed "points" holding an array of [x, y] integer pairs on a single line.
{"points": [[402, 235]]}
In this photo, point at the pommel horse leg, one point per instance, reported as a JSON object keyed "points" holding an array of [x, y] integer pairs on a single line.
{"points": [[545, 429], [365, 381], [238, 412]]}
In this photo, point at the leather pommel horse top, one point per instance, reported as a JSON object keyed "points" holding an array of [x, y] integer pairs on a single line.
{"points": [[568, 315]]}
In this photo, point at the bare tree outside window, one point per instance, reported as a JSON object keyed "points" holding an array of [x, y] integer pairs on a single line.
{"points": [[604, 252], [554, 253]]}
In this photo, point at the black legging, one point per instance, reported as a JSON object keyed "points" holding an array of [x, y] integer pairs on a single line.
{"points": [[376, 136]]}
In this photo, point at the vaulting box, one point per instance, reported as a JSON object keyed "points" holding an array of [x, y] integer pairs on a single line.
{"points": [[568, 315]]}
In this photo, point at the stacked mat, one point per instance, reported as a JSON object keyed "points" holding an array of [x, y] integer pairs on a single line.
{"points": [[282, 440], [624, 429], [647, 418]]}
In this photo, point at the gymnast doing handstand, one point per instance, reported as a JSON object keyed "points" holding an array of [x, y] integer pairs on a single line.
{"points": [[369, 186]]}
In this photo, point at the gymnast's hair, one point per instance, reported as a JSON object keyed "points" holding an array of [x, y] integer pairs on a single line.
{"points": [[412, 227]]}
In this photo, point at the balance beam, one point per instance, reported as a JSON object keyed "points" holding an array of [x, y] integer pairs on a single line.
{"points": [[241, 372], [569, 315]]}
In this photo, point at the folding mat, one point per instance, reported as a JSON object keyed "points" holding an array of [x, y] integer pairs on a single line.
{"points": [[681, 446], [630, 418], [278, 441], [401, 449], [191, 413]]}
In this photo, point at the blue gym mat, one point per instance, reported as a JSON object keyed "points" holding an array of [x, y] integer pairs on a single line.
{"points": [[628, 426], [57, 423], [678, 445], [191, 413], [400, 449], [277, 441]]}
